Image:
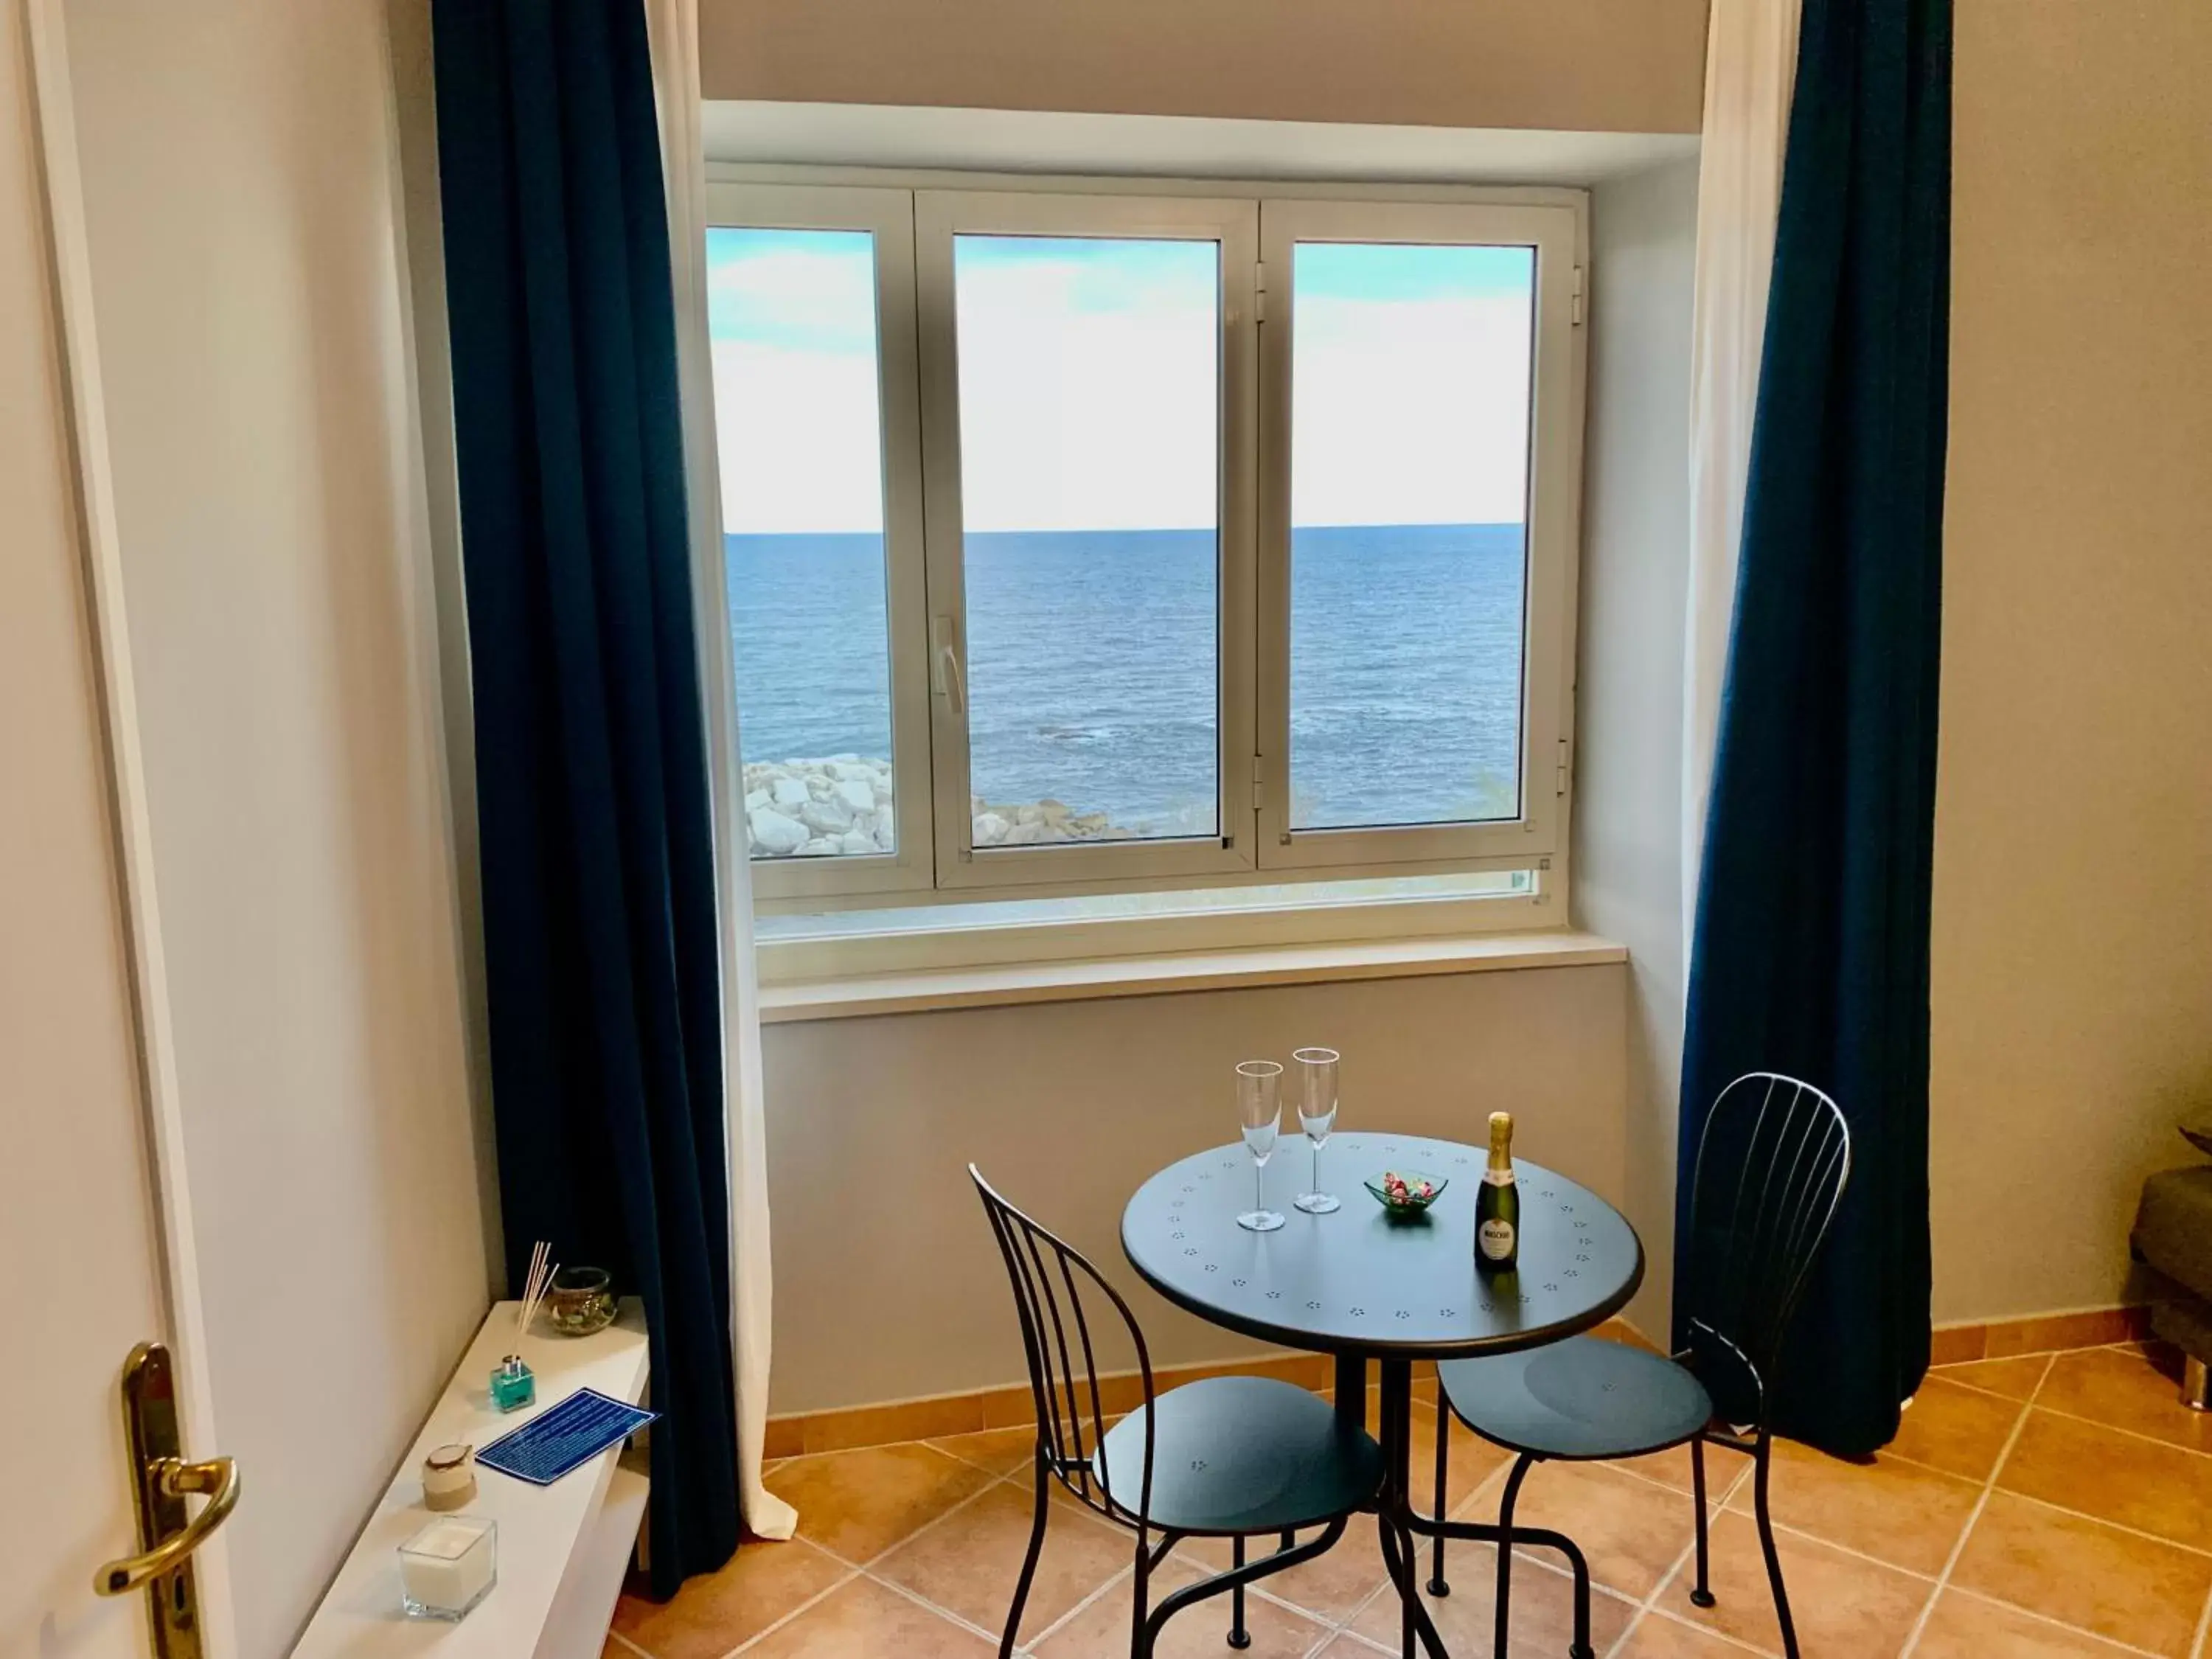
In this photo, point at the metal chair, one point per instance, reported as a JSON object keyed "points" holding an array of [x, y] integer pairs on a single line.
{"points": [[1771, 1167], [1230, 1456]]}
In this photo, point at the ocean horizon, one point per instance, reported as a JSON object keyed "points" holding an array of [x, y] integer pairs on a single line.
{"points": [[1091, 667]]}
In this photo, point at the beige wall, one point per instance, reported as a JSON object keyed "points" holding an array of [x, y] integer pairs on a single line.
{"points": [[2073, 936], [248, 275], [1636, 521], [886, 1283], [1574, 65]]}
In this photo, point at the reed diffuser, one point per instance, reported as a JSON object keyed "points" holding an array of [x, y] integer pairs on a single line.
{"points": [[513, 1385]]}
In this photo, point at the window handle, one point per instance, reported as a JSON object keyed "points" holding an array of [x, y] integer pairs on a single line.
{"points": [[950, 681]]}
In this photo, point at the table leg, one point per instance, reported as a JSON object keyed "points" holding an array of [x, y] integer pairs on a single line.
{"points": [[1394, 1510], [1351, 1389]]}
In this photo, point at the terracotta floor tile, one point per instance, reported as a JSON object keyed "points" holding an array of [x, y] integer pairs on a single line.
{"points": [[1671, 1468], [1101, 1631], [1332, 1586], [1662, 1637], [2087, 1574], [1951, 1427], [2139, 1483], [1895, 1511], [1473, 1460], [1965, 1626], [1542, 1618], [715, 1612], [999, 1450], [2016, 1379], [1844, 1607], [969, 1562], [2131, 1387], [856, 1505], [865, 1618], [1630, 1530]]}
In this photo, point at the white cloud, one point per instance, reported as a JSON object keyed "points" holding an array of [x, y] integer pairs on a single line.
{"points": [[1410, 411], [800, 449], [1080, 416]]}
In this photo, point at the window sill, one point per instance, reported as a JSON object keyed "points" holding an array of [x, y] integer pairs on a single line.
{"points": [[922, 990]]}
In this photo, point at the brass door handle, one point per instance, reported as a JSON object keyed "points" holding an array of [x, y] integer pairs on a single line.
{"points": [[217, 1480], [161, 1477]]}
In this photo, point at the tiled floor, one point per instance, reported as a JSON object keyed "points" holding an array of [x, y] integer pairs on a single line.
{"points": [[2047, 1506]]}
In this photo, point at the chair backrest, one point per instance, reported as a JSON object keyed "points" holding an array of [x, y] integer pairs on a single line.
{"points": [[1771, 1167], [1056, 1293]]}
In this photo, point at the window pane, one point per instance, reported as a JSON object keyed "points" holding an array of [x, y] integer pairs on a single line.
{"points": [[1090, 396], [1409, 469], [793, 314]]}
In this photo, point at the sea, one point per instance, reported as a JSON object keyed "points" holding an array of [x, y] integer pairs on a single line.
{"points": [[1091, 667]]}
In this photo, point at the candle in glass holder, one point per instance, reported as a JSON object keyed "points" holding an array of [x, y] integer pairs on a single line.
{"points": [[448, 1567]]}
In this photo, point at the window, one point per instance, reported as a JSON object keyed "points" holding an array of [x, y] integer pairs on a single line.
{"points": [[1106, 543]]}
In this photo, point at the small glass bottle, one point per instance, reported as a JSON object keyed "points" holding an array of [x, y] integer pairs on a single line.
{"points": [[1498, 1205], [513, 1384]]}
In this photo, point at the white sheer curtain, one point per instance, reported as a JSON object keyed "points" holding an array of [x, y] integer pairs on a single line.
{"points": [[674, 28], [1751, 67]]}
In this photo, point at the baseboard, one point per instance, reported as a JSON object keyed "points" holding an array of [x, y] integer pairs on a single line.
{"points": [[845, 1428], [2005, 1339]]}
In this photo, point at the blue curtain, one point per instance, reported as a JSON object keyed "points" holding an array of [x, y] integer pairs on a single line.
{"points": [[597, 869], [1811, 953]]}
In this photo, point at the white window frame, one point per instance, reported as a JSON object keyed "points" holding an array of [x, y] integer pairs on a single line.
{"points": [[888, 215], [940, 218], [922, 534], [1549, 548]]}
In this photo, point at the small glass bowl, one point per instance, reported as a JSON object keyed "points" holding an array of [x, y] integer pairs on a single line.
{"points": [[1417, 1192], [581, 1300]]}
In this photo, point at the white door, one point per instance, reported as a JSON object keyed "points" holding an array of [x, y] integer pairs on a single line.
{"points": [[81, 1239]]}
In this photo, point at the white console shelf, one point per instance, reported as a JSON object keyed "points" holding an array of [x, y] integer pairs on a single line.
{"points": [[563, 1549]]}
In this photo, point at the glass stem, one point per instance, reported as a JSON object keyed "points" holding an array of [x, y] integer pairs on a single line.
{"points": [[1258, 1171], [1316, 1168]]}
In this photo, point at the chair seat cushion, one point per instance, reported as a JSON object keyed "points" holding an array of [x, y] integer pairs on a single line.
{"points": [[1584, 1397], [1240, 1453], [2173, 1225]]}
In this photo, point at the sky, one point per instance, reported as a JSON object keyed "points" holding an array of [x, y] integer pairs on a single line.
{"points": [[1088, 382]]}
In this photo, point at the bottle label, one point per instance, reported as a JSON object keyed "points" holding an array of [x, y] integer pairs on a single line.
{"points": [[1497, 1177], [1495, 1240]]}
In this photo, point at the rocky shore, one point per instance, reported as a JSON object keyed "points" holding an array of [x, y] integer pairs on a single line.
{"points": [[817, 808], [842, 804]]}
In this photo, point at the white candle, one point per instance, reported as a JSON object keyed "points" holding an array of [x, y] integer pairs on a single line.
{"points": [[445, 1569]]}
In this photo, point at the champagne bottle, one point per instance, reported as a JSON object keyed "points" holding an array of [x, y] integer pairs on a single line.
{"points": [[1497, 1209]]}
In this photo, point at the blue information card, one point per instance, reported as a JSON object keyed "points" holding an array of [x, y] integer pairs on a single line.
{"points": [[564, 1438]]}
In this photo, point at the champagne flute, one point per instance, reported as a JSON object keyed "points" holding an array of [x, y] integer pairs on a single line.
{"points": [[1317, 1116], [1260, 1110]]}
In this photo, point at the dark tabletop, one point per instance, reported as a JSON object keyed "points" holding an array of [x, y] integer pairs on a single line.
{"points": [[1357, 1281]]}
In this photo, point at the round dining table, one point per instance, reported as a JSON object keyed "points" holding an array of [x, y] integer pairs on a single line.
{"points": [[1359, 1285]]}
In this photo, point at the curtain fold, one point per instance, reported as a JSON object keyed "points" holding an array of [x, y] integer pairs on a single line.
{"points": [[1812, 940], [673, 27], [602, 952], [1751, 67]]}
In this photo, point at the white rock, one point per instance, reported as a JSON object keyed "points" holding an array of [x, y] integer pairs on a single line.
{"points": [[886, 836], [830, 817], [853, 841], [882, 792], [1029, 814], [754, 799], [820, 847], [989, 830], [1030, 835], [857, 794], [774, 833], [789, 792]]}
